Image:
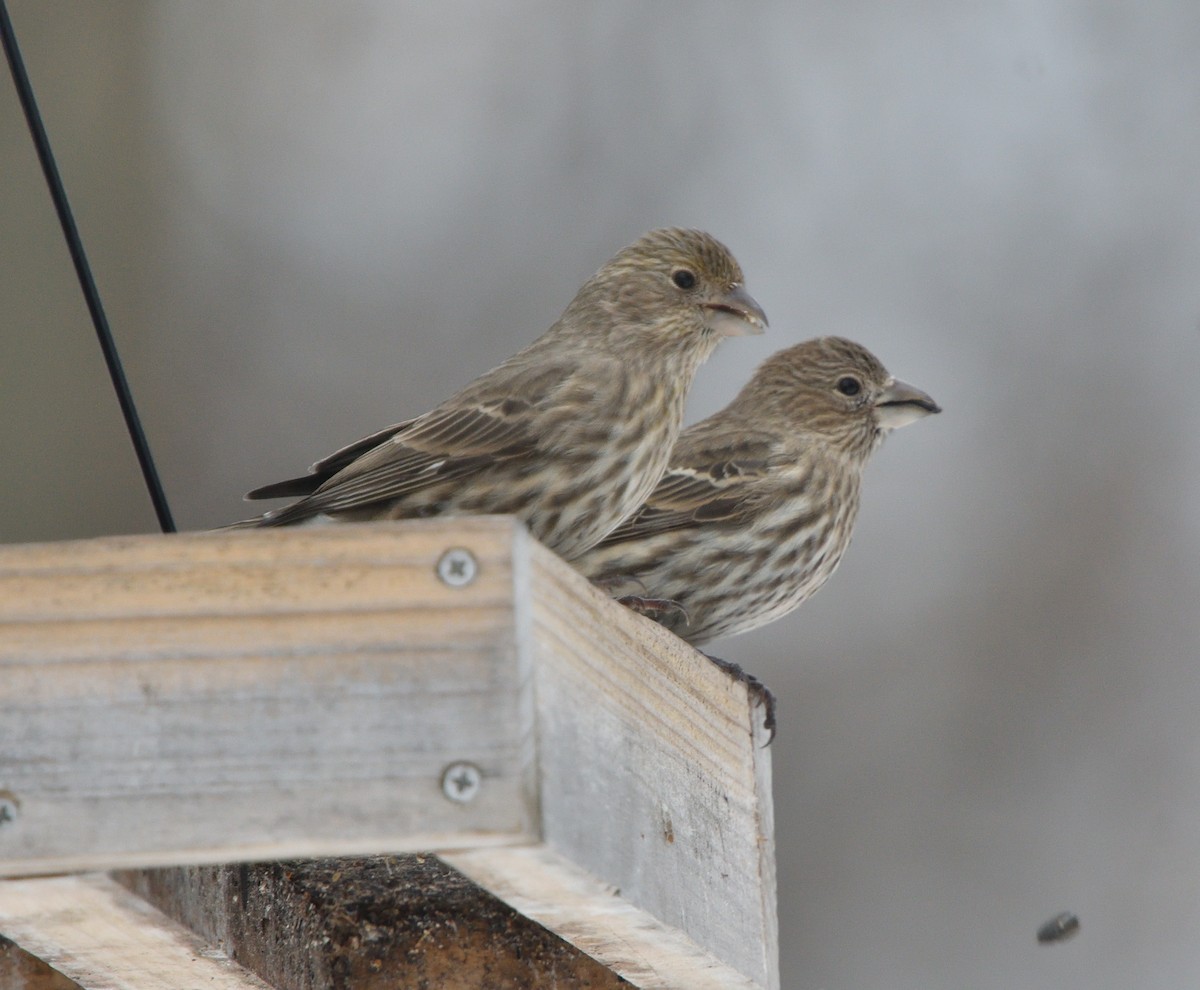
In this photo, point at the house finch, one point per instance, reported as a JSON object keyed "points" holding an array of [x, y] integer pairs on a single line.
{"points": [[757, 506], [572, 433]]}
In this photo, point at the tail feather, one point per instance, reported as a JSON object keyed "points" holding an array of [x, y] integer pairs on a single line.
{"points": [[292, 488]]}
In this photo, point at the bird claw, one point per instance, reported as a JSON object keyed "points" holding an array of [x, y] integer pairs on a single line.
{"points": [[651, 607], [757, 690]]}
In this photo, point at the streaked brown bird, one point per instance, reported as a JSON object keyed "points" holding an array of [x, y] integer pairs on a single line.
{"points": [[572, 433], [758, 504]]}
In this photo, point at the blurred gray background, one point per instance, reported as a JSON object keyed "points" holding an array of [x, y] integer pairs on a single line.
{"points": [[310, 220]]}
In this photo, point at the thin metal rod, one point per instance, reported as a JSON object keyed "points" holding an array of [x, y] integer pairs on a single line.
{"points": [[86, 282]]}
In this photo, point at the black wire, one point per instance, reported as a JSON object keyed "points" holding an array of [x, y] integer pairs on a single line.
{"points": [[90, 293]]}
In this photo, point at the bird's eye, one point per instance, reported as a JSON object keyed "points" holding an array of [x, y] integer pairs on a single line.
{"points": [[849, 385], [684, 279]]}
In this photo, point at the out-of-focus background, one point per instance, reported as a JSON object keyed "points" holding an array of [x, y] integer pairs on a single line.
{"points": [[310, 220]]}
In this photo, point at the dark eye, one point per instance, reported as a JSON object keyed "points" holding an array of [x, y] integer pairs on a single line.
{"points": [[849, 385], [684, 279]]}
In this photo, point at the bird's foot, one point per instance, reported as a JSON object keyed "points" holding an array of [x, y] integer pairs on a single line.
{"points": [[757, 690]]}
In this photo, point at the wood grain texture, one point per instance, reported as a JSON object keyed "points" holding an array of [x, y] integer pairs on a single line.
{"points": [[654, 774], [632, 943], [268, 694], [21, 970], [223, 696], [378, 923], [96, 933]]}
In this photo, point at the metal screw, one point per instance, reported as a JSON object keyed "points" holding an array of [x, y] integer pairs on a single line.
{"points": [[457, 567], [10, 808], [461, 782]]}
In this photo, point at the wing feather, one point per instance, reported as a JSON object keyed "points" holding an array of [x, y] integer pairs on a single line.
{"points": [[705, 484], [489, 422]]}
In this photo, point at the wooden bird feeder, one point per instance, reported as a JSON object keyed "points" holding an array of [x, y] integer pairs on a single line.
{"points": [[524, 783]]}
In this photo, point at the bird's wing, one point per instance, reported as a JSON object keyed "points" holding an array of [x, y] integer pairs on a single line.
{"points": [[327, 467], [705, 484], [489, 422]]}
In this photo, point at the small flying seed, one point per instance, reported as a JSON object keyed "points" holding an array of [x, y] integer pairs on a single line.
{"points": [[1058, 929]]}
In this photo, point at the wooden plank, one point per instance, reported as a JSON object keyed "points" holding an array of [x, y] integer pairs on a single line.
{"points": [[249, 695], [549, 889], [96, 933], [654, 771], [324, 924], [242, 695], [382, 922]]}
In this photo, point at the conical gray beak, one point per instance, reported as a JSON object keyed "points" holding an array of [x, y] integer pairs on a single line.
{"points": [[900, 404], [736, 314]]}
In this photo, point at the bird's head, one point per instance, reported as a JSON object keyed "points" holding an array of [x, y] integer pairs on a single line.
{"points": [[837, 389], [672, 288]]}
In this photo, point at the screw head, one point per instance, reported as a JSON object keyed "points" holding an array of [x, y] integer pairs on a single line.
{"points": [[457, 567], [461, 782], [10, 808]]}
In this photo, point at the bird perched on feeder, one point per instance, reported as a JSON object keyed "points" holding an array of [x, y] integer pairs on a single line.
{"points": [[758, 504], [572, 433]]}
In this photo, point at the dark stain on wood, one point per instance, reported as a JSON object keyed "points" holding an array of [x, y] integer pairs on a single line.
{"points": [[21, 971], [376, 923]]}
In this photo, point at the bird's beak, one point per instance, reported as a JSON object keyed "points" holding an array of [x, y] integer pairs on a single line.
{"points": [[736, 314], [900, 404]]}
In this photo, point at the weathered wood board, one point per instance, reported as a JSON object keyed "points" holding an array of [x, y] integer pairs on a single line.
{"points": [[654, 772], [268, 694], [380, 922], [101, 936], [216, 697]]}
